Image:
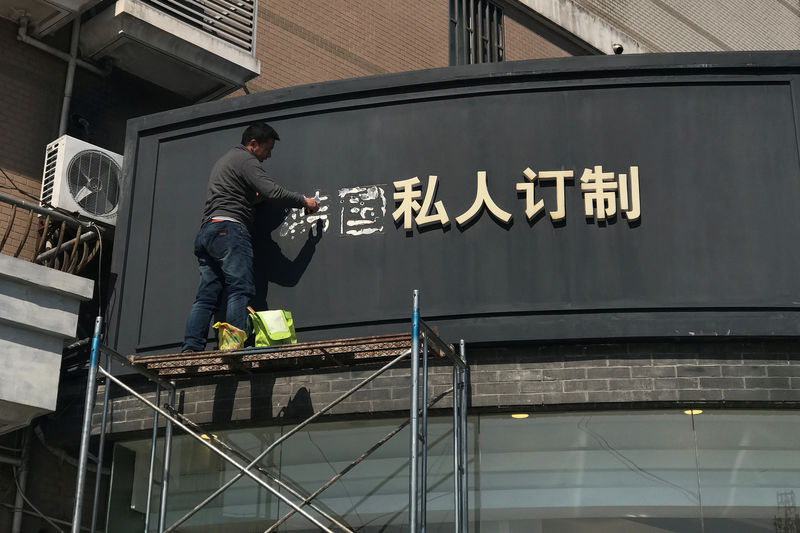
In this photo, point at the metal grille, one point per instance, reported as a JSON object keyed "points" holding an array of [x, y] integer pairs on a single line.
{"points": [[233, 21], [477, 32], [49, 177], [93, 180]]}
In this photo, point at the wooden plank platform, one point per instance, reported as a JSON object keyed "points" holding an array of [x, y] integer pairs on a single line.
{"points": [[319, 354]]}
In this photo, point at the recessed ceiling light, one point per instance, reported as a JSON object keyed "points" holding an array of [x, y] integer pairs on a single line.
{"points": [[520, 415], [693, 411]]}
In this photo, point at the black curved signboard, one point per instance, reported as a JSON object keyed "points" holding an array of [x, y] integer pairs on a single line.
{"points": [[638, 196]]}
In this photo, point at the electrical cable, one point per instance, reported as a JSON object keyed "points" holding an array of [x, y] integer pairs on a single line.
{"points": [[353, 505], [38, 200], [583, 425], [697, 469], [62, 455], [41, 514], [16, 187], [56, 520]]}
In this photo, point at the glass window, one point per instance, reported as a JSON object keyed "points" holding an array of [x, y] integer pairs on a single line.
{"points": [[631, 472], [477, 32], [718, 471]]}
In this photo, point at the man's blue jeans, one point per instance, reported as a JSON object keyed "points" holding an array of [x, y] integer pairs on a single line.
{"points": [[224, 251]]}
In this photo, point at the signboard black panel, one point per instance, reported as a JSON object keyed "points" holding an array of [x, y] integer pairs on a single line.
{"points": [[714, 138]]}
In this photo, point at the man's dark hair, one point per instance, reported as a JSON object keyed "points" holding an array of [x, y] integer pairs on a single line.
{"points": [[261, 132]]}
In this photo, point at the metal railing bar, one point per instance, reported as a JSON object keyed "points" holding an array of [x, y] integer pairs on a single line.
{"points": [[208, 9], [10, 224], [151, 475], [224, 22], [127, 364], [73, 256], [27, 234], [243, 470], [254, 14], [224, 30], [246, 8], [56, 215], [207, 27], [358, 460], [188, 15], [87, 256], [221, 7], [264, 471], [288, 434], [43, 237], [54, 260], [439, 344], [226, 8]]}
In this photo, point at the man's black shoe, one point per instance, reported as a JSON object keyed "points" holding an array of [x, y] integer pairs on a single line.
{"points": [[189, 350]]}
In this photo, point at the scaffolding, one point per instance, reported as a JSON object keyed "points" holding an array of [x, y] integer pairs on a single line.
{"points": [[424, 342]]}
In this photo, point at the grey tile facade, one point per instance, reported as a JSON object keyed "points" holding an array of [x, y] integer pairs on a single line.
{"points": [[547, 377]]}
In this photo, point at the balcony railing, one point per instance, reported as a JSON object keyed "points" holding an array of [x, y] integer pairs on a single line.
{"points": [[47, 237], [233, 21]]}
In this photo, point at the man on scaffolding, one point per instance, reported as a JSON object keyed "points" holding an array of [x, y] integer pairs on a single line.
{"points": [[223, 245]]}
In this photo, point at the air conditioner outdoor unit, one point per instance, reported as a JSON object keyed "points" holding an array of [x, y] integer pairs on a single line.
{"points": [[82, 178]]}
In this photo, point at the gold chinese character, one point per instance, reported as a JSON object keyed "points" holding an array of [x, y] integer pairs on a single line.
{"points": [[440, 214], [482, 198], [634, 211], [405, 192], [531, 206], [408, 196], [599, 198], [560, 176]]}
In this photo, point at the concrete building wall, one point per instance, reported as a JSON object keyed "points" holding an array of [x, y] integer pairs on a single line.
{"points": [[31, 89], [31, 96], [106, 104], [703, 25]]}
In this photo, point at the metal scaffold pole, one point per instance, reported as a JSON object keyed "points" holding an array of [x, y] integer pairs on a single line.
{"points": [[162, 511], [87, 426], [424, 341], [153, 442], [456, 449], [460, 491], [413, 492], [243, 469], [101, 450], [462, 428], [423, 512]]}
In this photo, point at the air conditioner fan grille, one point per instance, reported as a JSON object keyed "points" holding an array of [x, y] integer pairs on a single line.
{"points": [[94, 182]]}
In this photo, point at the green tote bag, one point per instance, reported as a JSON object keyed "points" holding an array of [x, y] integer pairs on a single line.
{"points": [[272, 327]]}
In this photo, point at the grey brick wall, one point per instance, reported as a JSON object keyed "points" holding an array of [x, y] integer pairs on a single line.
{"points": [[554, 377]]}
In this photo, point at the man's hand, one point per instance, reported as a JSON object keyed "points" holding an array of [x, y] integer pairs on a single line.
{"points": [[312, 206]]}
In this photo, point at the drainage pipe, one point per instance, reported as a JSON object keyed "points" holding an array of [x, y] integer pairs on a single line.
{"points": [[22, 481], [71, 59], [22, 35], [69, 83]]}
